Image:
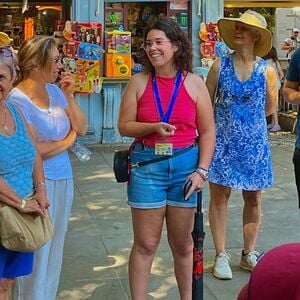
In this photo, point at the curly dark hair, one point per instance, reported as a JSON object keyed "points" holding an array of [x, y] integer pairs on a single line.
{"points": [[183, 57]]}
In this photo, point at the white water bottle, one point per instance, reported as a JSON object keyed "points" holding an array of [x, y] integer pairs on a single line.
{"points": [[81, 152]]}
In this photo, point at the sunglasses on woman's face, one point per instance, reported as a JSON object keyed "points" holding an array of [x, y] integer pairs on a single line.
{"points": [[6, 52], [57, 59]]}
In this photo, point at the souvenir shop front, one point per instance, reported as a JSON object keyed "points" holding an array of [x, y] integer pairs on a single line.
{"points": [[122, 25], [101, 41]]}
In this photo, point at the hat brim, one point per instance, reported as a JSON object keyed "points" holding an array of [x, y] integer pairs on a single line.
{"points": [[5, 42], [227, 27]]}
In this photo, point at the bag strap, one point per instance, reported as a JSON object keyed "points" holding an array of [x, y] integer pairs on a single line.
{"points": [[161, 158]]}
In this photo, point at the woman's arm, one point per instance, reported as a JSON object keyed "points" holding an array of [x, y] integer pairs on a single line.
{"points": [[52, 148], [8, 195], [272, 91], [39, 183], [40, 201], [38, 177], [75, 113], [205, 128], [127, 121], [205, 125], [212, 79]]}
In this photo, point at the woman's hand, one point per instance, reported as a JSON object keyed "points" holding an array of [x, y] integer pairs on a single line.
{"points": [[197, 184], [164, 129], [32, 207], [67, 83], [41, 197]]}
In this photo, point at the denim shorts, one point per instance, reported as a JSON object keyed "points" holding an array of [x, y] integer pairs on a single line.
{"points": [[159, 184], [14, 264]]}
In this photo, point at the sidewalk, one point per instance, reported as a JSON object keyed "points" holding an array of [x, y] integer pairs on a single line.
{"points": [[99, 238]]}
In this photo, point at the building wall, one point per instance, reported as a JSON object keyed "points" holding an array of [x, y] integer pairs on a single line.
{"points": [[285, 21]]}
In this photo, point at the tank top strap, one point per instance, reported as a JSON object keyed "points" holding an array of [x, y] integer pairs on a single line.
{"points": [[19, 120]]}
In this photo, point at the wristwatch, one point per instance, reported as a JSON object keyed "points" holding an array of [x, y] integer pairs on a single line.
{"points": [[203, 173]]}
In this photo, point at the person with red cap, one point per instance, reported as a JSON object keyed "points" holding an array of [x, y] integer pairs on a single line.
{"points": [[276, 275]]}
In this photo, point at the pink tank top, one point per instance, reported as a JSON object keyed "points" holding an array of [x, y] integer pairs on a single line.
{"points": [[183, 116]]}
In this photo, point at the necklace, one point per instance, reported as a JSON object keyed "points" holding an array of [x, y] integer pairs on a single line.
{"points": [[3, 123]]}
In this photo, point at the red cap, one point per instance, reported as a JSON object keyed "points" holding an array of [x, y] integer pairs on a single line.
{"points": [[276, 275]]}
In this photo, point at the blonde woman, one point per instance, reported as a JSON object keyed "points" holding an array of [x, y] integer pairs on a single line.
{"points": [[246, 92]]}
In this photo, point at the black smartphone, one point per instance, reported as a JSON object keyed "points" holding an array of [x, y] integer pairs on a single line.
{"points": [[186, 187]]}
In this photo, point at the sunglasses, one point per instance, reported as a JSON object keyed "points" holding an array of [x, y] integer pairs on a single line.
{"points": [[57, 59], [6, 52]]}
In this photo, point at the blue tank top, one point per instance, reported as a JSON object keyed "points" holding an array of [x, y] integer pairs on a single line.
{"points": [[17, 157]]}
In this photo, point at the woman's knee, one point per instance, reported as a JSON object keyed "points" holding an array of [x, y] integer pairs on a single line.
{"points": [[181, 246], [219, 194], [146, 247], [252, 198]]}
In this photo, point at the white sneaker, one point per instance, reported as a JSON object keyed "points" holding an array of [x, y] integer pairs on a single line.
{"points": [[275, 128], [249, 261], [221, 268]]}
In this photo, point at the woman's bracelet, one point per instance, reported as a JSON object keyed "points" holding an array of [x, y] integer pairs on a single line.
{"points": [[40, 185], [23, 203]]}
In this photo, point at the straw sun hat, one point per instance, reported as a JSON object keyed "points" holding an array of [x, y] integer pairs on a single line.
{"points": [[254, 19], [5, 40]]}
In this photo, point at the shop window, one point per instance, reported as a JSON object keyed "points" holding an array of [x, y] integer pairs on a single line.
{"points": [[134, 17]]}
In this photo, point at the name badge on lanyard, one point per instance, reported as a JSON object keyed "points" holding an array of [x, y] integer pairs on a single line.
{"points": [[162, 148]]}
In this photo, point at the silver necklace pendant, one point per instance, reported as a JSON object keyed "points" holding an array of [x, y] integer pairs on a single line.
{"points": [[6, 129], [3, 123]]}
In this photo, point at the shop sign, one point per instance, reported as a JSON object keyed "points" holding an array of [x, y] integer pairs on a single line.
{"points": [[179, 4]]}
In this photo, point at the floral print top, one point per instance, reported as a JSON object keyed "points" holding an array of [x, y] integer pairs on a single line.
{"points": [[242, 158]]}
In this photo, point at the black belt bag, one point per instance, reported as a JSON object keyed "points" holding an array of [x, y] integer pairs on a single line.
{"points": [[122, 166]]}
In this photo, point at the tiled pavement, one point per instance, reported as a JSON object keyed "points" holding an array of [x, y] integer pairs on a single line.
{"points": [[100, 236]]}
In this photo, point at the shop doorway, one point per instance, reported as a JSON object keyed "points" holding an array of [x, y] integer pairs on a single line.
{"points": [[36, 19]]}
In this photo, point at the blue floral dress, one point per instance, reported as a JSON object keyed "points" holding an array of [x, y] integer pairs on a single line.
{"points": [[242, 158]]}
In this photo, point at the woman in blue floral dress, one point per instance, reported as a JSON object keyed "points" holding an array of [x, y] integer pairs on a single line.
{"points": [[245, 92]]}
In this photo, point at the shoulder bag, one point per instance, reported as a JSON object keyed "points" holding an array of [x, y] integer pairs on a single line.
{"points": [[24, 232]]}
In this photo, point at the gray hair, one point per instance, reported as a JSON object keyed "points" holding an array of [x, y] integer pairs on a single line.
{"points": [[10, 62]]}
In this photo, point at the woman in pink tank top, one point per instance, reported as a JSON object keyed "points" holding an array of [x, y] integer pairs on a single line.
{"points": [[164, 108]]}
